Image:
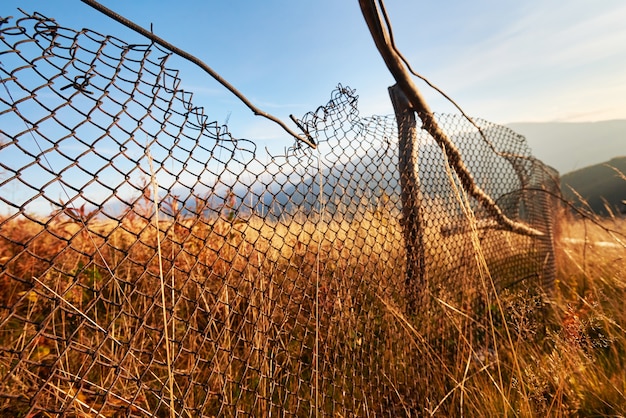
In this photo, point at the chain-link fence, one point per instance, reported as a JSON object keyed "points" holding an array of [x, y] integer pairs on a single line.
{"points": [[154, 264]]}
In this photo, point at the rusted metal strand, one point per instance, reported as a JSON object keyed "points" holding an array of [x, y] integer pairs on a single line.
{"points": [[308, 139]]}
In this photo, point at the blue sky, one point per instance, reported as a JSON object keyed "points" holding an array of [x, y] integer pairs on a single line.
{"points": [[504, 61]]}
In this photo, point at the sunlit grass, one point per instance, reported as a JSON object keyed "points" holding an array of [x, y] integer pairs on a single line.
{"points": [[82, 320]]}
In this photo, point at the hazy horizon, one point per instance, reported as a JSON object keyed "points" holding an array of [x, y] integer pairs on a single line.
{"points": [[569, 146]]}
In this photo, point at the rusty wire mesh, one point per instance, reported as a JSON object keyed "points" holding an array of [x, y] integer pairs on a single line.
{"points": [[151, 261]]}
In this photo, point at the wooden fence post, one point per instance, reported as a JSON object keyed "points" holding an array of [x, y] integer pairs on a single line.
{"points": [[412, 224]]}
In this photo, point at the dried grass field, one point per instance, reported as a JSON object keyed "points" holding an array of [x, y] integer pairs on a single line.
{"points": [[226, 316]]}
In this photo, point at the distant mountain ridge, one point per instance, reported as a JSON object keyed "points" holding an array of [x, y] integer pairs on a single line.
{"points": [[352, 183], [568, 146]]}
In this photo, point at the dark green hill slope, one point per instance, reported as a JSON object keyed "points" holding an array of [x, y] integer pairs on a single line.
{"points": [[600, 185]]}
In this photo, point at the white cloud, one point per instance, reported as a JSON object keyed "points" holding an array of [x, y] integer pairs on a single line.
{"points": [[554, 62]]}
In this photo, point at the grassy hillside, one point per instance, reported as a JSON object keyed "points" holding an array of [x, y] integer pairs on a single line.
{"points": [[600, 186]]}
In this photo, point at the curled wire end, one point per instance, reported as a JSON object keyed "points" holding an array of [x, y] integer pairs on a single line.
{"points": [[310, 141]]}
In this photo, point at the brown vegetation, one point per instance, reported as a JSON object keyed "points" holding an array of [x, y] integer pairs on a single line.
{"points": [[298, 315]]}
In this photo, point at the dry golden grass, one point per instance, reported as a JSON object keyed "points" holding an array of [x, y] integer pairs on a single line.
{"points": [[299, 315], [82, 324]]}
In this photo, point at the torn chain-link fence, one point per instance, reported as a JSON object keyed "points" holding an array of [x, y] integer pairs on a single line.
{"points": [[151, 262]]}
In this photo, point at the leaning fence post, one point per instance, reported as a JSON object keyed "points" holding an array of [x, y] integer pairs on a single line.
{"points": [[412, 225]]}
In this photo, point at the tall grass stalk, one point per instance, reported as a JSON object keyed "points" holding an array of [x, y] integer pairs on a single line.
{"points": [[155, 197], [322, 202]]}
